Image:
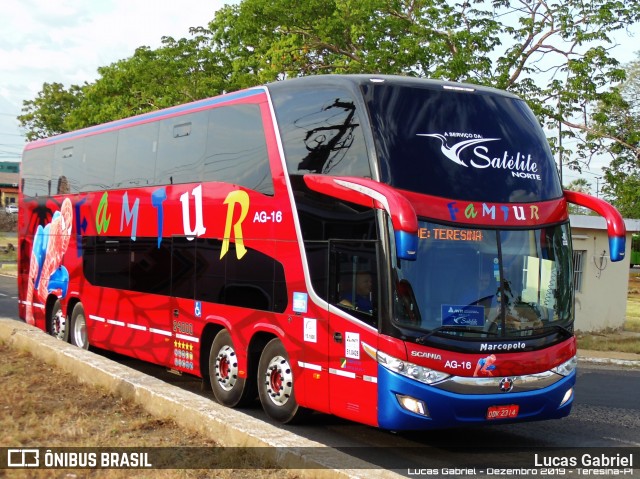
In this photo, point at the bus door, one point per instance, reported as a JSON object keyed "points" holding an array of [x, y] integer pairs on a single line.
{"points": [[183, 309], [353, 294]]}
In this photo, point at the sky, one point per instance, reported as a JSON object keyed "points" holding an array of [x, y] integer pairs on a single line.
{"points": [[65, 41]]}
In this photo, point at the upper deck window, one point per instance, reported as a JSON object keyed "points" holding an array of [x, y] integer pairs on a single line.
{"points": [[225, 144], [474, 146], [322, 132]]}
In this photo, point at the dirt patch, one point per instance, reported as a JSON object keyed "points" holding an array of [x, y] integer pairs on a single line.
{"points": [[45, 407]]}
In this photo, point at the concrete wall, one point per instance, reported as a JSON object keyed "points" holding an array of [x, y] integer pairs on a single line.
{"points": [[602, 304]]}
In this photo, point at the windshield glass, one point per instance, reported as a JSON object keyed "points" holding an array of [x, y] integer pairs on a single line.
{"points": [[486, 283], [467, 145]]}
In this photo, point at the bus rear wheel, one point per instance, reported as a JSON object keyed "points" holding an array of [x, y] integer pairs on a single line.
{"points": [[78, 328], [57, 322], [228, 387], [275, 384]]}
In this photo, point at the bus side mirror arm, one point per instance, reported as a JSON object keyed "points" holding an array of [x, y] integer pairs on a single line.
{"points": [[615, 223], [366, 192]]}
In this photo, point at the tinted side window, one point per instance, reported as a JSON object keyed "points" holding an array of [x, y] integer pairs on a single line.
{"points": [[136, 158], [183, 268], [111, 262], [237, 149], [67, 168], [98, 162], [181, 150], [186, 269], [210, 270], [36, 171], [322, 133], [150, 266]]}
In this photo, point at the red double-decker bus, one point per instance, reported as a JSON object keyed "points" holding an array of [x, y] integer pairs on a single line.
{"points": [[390, 250]]}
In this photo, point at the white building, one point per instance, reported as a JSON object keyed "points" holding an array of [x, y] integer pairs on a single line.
{"points": [[601, 285]]}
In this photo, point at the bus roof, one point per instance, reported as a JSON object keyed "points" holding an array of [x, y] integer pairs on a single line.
{"points": [[147, 117], [316, 81], [308, 82]]}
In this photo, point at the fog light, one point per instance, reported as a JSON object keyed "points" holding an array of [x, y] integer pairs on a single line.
{"points": [[566, 397], [412, 404]]}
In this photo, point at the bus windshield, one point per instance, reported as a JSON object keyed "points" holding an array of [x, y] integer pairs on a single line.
{"points": [[477, 147], [485, 283]]}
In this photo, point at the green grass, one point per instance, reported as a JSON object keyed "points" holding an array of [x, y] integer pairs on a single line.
{"points": [[625, 341], [8, 255], [8, 268], [609, 342], [633, 316]]}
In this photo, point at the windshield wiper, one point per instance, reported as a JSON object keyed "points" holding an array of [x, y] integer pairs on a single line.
{"points": [[463, 329], [556, 327]]}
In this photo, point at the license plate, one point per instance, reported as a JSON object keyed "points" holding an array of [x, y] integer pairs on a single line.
{"points": [[503, 412]]}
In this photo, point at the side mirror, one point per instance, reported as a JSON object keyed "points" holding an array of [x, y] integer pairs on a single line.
{"points": [[615, 223], [366, 192]]}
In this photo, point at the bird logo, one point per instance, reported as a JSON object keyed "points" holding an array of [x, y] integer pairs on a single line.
{"points": [[453, 152]]}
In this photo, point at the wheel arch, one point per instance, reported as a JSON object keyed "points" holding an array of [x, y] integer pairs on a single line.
{"points": [[206, 340], [48, 308]]}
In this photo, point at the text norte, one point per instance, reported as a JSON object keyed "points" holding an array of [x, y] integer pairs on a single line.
{"points": [[129, 216]]}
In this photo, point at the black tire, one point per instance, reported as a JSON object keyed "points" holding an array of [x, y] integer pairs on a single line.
{"points": [[275, 384], [57, 322], [78, 328], [228, 387]]}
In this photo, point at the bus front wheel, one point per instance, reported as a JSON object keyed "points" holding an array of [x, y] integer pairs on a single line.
{"points": [[228, 387], [78, 327], [275, 383]]}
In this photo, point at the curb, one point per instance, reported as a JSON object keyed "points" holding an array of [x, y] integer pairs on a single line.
{"points": [[229, 427], [610, 361]]}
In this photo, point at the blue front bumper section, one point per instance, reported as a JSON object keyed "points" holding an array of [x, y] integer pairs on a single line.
{"points": [[446, 409]]}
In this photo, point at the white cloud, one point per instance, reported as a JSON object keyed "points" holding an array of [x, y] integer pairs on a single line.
{"points": [[65, 41]]}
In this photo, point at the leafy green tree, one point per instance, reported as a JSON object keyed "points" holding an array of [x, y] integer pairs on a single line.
{"points": [[621, 120], [179, 71], [582, 186], [553, 53], [46, 115]]}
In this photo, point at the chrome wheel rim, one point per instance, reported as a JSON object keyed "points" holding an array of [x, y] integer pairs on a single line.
{"points": [[226, 368], [279, 380]]}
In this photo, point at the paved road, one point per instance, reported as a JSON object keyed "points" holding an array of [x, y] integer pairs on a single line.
{"points": [[606, 414]]}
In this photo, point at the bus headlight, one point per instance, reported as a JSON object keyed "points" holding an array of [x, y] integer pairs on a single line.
{"points": [[567, 367], [410, 370]]}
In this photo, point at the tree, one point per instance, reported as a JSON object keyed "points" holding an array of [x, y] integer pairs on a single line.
{"points": [[553, 53], [179, 71], [582, 186], [46, 115], [622, 176]]}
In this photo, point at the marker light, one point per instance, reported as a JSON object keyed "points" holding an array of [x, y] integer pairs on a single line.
{"points": [[412, 404], [567, 367], [410, 370]]}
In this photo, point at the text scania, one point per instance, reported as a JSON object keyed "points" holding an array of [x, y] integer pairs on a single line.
{"points": [[502, 346], [426, 355]]}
